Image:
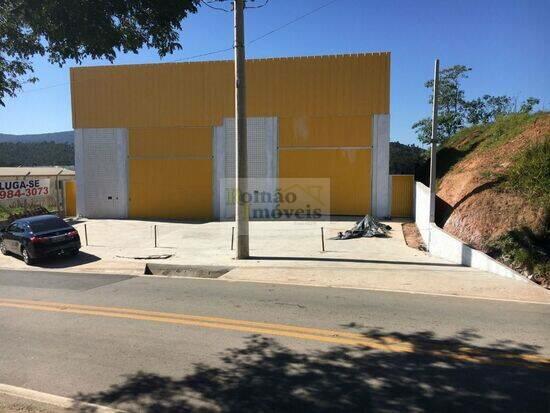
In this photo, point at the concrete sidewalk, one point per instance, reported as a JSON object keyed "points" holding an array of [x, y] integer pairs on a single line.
{"points": [[465, 283], [284, 252]]}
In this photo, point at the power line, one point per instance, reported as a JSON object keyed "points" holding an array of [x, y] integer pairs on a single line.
{"points": [[45, 87], [263, 36], [257, 7], [202, 55], [292, 21], [207, 3]]}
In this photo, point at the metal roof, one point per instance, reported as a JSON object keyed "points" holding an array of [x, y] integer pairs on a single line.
{"points": [[36, 171]]}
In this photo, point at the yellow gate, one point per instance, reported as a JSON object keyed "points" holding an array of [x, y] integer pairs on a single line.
{"points": [[70, 198], [402, 187]]}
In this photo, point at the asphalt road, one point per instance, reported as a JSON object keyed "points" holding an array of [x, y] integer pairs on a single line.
{"points": [[170, 345]]}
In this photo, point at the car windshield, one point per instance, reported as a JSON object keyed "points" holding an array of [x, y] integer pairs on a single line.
{"points": [[48, 224]]}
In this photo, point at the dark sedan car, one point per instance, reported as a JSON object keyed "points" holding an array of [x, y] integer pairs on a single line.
{"points": [[38, 237]]}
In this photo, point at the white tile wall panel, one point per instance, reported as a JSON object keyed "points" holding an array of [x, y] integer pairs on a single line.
{"points": [[262, 159], [102, 172]]}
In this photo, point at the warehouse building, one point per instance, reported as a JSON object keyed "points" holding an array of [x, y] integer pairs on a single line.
{"points": [[156, 140]]}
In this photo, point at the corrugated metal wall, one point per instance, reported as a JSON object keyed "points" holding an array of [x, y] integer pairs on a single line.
{"points": [[201, 93], [402, 196], [324, 106], [349, 171], [170, 171]]}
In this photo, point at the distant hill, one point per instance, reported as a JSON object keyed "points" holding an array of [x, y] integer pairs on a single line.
{"points": [[36, 154], [57, 137], [404, 159]]}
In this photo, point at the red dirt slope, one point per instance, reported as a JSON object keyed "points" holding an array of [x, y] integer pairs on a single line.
{"points": [[475, 207]]}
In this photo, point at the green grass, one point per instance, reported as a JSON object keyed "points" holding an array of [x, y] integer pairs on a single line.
{"points": [[482, 137], [6, 211], [529, 175], [507, 127], [492, 134], [478, 138], [467, 139]]}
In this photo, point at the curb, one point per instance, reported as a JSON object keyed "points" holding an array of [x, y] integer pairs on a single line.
{"points": [[52, 399], [291, 283]]}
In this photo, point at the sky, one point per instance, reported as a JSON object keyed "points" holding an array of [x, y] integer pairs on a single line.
{"points": [[505, 42]]}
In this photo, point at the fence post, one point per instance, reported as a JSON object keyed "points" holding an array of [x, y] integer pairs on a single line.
{"points": [[86, 234], [155, 232], [323, 239]]}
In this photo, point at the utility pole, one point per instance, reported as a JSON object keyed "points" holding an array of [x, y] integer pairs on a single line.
{"points": [[241, 155], [433, 151]]}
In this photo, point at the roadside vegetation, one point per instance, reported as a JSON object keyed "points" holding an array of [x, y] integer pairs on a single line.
{"points": [[482, 137], [526, 252], [7, 211], [493, 187], [492, 134], [529, 175]]}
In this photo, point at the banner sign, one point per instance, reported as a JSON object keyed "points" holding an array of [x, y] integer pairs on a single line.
{"points": [[14, 189]]}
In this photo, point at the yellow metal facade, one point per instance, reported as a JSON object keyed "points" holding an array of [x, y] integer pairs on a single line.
{"points": [[170, 172], [402, 196], [324, 107], [349, 172]]}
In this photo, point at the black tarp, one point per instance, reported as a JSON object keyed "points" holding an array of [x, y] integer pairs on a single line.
{"points": [[367, 227]]}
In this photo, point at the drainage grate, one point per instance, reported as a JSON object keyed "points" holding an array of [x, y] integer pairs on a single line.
{"points": [[199, 271]]}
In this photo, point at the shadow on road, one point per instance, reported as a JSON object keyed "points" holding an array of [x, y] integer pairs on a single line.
{"points": [[352, 260], [435, 375]]}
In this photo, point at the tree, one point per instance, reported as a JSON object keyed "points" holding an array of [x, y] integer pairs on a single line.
{"points": [[486, 109], [447, 123], [451, 105], [455, 112], [529, 105], [73, 30]]}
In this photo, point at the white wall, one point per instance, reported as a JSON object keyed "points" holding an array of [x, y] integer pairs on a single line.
{"points": [[102, 172], [262, 136], [79, 171], [443, 245], [381, 198], [422, 209]]}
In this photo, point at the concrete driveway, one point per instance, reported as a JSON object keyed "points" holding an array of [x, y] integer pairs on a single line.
{"points": [[276, 244], [287, 252]]}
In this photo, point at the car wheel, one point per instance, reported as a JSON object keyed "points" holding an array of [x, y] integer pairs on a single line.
{"points": [[3, 248], [26, 257]]}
